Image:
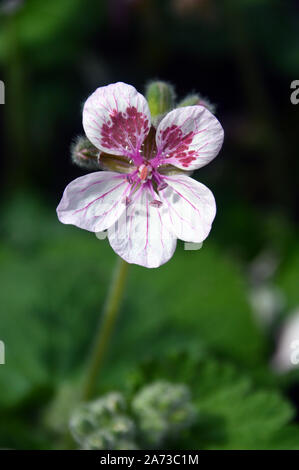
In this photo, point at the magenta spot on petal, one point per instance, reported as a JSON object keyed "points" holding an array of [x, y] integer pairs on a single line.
{"points": [[176, 145], [124, 129]]}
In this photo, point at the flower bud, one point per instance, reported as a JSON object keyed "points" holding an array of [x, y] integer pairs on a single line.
{"points": [[163, 410], [103, 440], [103, 424], [197, 99], [160, 97], [85, 154]]}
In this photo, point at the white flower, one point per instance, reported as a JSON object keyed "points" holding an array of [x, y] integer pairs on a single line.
{"points": [[153, 201]]}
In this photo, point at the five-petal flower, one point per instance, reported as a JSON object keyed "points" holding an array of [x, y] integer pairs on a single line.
{"points": [[153, 201]]}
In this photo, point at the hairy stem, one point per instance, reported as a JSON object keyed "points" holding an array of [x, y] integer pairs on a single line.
{"points": [[105, 329]]}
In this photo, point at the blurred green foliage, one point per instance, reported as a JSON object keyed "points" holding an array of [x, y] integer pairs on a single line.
{"points": [[53, 284], [53, 273], [232, 413], [49, 27]]}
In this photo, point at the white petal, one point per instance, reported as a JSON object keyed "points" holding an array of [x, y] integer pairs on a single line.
{"points": [[191, 208], [94, 201], [116, 119], [189, 137], [140, 236]]}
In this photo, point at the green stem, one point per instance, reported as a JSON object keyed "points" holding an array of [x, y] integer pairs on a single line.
{"points": [[105, 329]]}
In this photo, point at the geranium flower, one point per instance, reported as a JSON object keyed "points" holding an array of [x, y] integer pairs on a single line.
{"points": [[149, 200]]}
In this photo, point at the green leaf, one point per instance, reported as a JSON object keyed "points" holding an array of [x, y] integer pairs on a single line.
{"points": [[233, 412]]}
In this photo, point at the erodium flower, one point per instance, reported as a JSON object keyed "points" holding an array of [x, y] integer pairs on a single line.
{"points": [[149, 199]]}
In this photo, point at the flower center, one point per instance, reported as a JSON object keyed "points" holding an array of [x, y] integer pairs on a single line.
{"points": [[145, 172]]}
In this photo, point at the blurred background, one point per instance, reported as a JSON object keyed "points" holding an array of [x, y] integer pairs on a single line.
{"points": [[222, 321]]}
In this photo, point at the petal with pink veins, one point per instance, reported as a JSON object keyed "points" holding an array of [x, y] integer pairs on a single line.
{"points": [[189, 137], [140, 235], [116, 119], [191, 208], [94, 201]]}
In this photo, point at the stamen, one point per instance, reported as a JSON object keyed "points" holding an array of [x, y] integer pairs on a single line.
{"points": [[129, 179], [156, 203], [162, 185]]}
